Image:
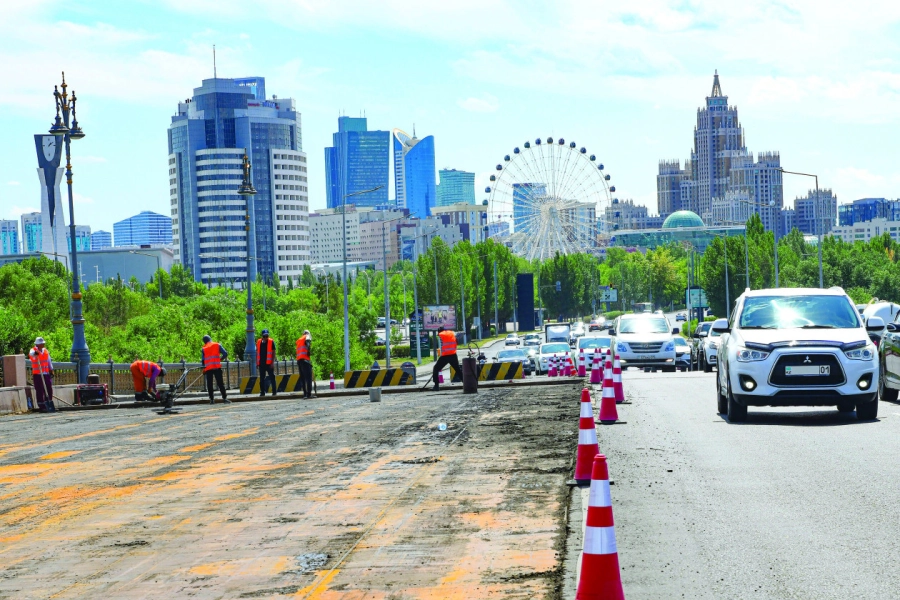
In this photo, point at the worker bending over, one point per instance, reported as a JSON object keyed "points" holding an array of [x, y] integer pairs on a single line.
{"points": [[42, 375], [265, 362], [304, 365], [144, 374], [448, 355], [211, 357]]}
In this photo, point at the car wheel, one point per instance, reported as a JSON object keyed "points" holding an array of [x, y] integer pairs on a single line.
{"points": [[707, 368], [737, 413], [867, 411], [884, 392], [846, 407], [722, 399]]}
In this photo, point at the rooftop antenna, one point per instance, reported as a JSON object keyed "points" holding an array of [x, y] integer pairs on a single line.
{"points": [[214, 62], [414, 131]]}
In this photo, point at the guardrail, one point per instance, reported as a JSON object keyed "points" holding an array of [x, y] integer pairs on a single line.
{"points": [[118, 375]]}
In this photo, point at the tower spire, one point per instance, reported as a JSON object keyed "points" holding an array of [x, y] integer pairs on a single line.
{"points": [[215, 74], [717, 89]]}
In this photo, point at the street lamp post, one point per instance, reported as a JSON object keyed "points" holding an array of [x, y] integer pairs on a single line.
{"points": [[247, 190], [158, 268], [387, 300], [80, 354], [818, 225]]}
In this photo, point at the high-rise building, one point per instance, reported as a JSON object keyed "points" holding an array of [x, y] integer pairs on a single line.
{"points": [[414, 173], [358, 160], [212, 131], [816, 215], [9, 236], [32, 232], [526, 196], [455, 187], [670, 188], [471, 219], [625, 214], [100, 240], [52, 240], [144, 228], [868, 209], [82, 238]]}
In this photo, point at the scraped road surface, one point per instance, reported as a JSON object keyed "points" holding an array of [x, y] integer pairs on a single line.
{"points": [[337, 498]]}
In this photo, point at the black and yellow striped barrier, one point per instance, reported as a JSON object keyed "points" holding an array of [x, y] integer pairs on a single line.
{"points": [[283, 383], [377, 378], [493, 372]]}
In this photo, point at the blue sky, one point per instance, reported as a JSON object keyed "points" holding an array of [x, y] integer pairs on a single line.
{"points": [[814, 80]]}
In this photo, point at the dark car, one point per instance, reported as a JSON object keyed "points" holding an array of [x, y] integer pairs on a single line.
{"points": [[512, 356]]}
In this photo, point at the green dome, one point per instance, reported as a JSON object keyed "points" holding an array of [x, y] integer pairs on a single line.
{"points": [[682, 218]]}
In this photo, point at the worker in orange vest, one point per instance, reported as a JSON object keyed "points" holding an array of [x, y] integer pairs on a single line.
{"points": [[42, 375], [265, 362], [304, 364], [448, 355], [144, 374], [211, 357]]}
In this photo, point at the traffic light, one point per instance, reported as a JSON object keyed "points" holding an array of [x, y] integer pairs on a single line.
{"points": [[558, 286]]}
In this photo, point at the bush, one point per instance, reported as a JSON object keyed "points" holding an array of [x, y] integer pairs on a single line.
{"points": [[493, 330], [614, 314], [399, 351]]}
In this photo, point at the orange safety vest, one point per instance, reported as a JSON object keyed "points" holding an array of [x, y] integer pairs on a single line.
{"points": [[211, 358], [448, 343], [302, 348], [145, 366], [40, 361], [270, 352]]}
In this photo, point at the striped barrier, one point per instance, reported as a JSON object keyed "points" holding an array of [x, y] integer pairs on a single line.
{"points": [[283, 383], [493, 372], [378, 378]]}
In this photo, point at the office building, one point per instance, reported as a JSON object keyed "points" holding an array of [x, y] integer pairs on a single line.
{"points": [[680, 227], [625, 214], [358, 160], [144, 229], [471, 219], [101, 240], [32, 233], [815, 215], [82, 238], [455, 187], [498, 229], [207, 139], [864, 231], [868, 209], [526, 196], [414, 184], [674, 187], [111, 263], [9, 236]]}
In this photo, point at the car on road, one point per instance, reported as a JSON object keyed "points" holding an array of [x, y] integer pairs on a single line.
{"points": [[516, 356], [512, 339], [645, 340], [532, 339], [797, 347], [381, 322], [682, 353], [705, 350], [591, 344], [549, 350], [888, 312], [680, 317], [578, 330], [598, 324]]}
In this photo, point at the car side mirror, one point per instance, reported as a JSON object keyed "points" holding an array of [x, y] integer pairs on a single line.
{"points": [[875, 324], [611, 331], [675, 331], [892, 327], [721, 326]]}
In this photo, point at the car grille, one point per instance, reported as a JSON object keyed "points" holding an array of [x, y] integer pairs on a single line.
{"points": [[777, 377], [645, 348]]}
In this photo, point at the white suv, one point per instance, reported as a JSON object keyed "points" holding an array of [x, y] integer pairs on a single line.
{"points": [[645, 340], [796, 347]]}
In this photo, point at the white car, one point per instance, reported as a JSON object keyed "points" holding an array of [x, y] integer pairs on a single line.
{"points": [[591, 344], [707, 354], [513, 339], [645, 340], [558, 349], [797, 347]]}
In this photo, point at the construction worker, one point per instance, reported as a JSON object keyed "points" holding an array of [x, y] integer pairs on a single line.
{"points": [[304, 365], [42, 375], [265, 362], [144, 374], [211, 356], [448, 355]]}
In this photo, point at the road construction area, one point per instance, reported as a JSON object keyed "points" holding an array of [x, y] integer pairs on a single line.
{"points": [[795, 503], [318, 499]]}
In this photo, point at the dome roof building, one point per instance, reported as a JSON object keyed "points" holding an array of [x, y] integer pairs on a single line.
{"points": [[681, 219]]}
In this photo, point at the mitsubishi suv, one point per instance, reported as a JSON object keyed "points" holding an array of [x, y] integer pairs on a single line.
{"points": [[796, 347], [644, 340]]}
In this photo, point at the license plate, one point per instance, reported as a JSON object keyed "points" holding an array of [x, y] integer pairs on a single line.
{"points": [[808, 370], [646, 357]]}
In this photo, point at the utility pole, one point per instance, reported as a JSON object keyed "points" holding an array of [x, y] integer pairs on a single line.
{"points": [[496, 303], [462, 289], [387, 302], [478, 302], [727, 299], [418, 322]]}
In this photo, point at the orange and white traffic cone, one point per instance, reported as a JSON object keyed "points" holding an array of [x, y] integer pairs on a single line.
{"points": [[582, 369], [617, 381], [600, 577], [551, 372], [588, 447], [567, 368], [331, 382], [608, 413], [596, 370]]}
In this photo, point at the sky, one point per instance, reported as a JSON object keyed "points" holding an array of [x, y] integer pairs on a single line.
{"points": [[817, 81]]}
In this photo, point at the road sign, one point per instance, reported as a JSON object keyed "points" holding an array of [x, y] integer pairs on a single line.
{"points": [[440, 316], [609, 295], [695, 297]]}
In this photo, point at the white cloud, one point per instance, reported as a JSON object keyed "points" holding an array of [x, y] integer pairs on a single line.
{"points": [[17, 211], [13, 183], [486, 103], [81, 199]]}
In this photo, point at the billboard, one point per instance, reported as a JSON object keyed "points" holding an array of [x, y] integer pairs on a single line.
{"points": [[525, 300], [440, 316]]}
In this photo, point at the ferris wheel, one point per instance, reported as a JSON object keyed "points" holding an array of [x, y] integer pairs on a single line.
{"points": [[549, 197]]}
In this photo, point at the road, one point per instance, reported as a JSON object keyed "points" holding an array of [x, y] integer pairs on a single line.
{"points": [[796, 503]]}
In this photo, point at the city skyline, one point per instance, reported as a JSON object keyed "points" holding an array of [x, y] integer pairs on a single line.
{"points": [[828, 106]]}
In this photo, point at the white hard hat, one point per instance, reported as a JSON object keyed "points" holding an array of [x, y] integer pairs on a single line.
{"points": [[39, 340]]}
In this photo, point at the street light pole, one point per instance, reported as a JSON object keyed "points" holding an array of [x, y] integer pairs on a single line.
{"points": [[727, 296], [247, 190], [387, 301], [462, 287], [818, 225]]}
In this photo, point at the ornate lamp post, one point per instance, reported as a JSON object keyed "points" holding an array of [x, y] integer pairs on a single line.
{"points": [[80, 354], [248, 191]]}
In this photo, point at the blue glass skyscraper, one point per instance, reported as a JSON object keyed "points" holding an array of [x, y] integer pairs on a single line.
{"points": [[9, 237], [146, 228], [527, 198], [455, 187], [414, 173], [359, 160], [100, 240]]}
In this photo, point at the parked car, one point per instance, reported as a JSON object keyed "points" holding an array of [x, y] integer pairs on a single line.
{"points": [[697, 336], [512, 339], [517, 355], [797, 347], [557, 349], [591, 344], [380, 324], [682, 354], [645, 340], [706, 348], [681, 317]]}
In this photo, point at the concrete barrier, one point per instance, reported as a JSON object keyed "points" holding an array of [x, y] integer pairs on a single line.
{"points": [[13, 400]]}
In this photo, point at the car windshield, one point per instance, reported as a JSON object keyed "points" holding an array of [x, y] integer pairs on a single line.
{"points": [[680, 341], [643, 326], [555, 348], [798, 312], [593, 343], [511, 336], [510, 354]]}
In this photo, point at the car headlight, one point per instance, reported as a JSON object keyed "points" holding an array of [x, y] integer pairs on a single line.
{"points": [[712, 344], [669, 347], [748, 355], [621, 347], [867, 352]]}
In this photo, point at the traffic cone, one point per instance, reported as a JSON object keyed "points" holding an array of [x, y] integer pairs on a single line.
{"points": [[608, 413], [582, 369], [551, 372], [617, 381], [596, 373], [331, 382], [587, 440], [600, 577], [441, 377]]}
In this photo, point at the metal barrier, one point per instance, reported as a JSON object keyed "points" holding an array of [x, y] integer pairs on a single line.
{"points": [[493, 372]]}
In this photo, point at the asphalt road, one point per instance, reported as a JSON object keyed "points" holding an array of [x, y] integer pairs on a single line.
{"points": [[795, 503]]}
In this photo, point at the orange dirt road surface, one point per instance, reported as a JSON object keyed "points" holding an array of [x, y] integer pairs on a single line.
{"points": [[316, 499]]}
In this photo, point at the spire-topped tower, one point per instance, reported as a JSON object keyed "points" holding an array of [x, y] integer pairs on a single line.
{"points": [[717, 89]]}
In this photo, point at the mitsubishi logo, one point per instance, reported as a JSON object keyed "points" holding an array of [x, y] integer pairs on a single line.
{"points": [[807, 360]]}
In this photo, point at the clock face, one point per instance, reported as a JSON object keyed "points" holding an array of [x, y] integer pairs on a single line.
{"points": [[49, 145]]}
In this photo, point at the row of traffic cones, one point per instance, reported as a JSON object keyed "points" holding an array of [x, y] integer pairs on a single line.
{"points": [[560, 366], [612, 372]]}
